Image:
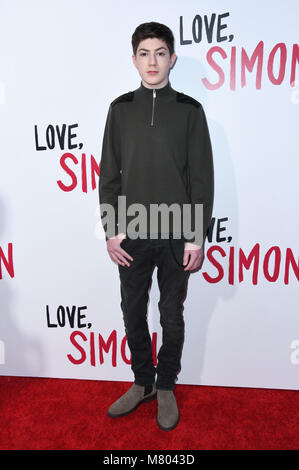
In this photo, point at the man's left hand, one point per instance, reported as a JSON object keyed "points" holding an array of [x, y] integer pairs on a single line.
{"points": [[195, 255]]}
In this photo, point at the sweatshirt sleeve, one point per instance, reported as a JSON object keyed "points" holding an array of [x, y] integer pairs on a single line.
{"points": [[110, 173], [200, 170]]}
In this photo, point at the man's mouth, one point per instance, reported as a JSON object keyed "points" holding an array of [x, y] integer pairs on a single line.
{"points": [[152, 71]]}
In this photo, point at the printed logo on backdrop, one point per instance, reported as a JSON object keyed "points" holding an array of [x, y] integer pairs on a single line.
{"points": [[89, 347], [268, 64], [6, 268]]}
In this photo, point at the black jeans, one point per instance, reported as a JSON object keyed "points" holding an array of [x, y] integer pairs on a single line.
{"points": [[135, 282]]}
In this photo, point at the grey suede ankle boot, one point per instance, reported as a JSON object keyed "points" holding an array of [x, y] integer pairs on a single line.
{"points": [[131, 400], [168, 414]]}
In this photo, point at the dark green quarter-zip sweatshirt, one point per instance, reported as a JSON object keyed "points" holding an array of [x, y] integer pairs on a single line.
{"points": [[156, 149]]}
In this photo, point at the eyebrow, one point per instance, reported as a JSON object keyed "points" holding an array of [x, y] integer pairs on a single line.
{"points": [[147, 50]]}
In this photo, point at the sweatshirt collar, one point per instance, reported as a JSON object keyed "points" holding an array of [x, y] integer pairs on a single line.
{"points": [[164, 91]]}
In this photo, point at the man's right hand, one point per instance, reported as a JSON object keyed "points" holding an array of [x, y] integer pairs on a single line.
{"points": [[116, 252]]}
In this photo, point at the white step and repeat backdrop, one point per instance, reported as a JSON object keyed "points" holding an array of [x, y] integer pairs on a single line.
{"points": [[61, 64]]}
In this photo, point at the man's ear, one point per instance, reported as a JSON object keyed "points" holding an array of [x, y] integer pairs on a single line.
{"points": [[173, 59]]}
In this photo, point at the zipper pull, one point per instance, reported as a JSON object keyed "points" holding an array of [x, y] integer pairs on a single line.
{"points": [[154, 97]]}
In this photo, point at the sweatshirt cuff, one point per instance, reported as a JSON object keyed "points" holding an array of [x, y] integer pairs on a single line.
{"points": [[192, 246], [121, 236]]}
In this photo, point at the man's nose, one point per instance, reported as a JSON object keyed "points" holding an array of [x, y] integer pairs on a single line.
{"points": [[152, 59]]}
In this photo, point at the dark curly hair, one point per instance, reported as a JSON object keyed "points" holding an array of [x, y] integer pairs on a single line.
{"points": [[153, 30]]}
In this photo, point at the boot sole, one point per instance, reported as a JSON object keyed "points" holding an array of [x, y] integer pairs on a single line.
{"points": [[144, 400], [171, 427]]}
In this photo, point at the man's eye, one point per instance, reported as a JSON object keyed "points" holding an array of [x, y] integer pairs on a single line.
{"points": [[144, 53]]}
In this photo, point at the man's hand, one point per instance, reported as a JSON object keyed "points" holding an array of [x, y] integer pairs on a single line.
{"points": [[116, 253], [195, 252]]}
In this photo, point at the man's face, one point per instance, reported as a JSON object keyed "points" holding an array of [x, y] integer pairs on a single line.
{"points": [[153, 55]]}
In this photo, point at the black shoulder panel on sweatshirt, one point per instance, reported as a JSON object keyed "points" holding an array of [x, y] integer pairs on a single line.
{"points": [[182, 98], [125, 97]]}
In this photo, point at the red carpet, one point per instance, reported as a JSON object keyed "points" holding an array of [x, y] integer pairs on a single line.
{"points": [[38, 413]]}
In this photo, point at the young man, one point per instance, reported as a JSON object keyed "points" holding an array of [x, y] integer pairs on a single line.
{"points": [[156, 149]]}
